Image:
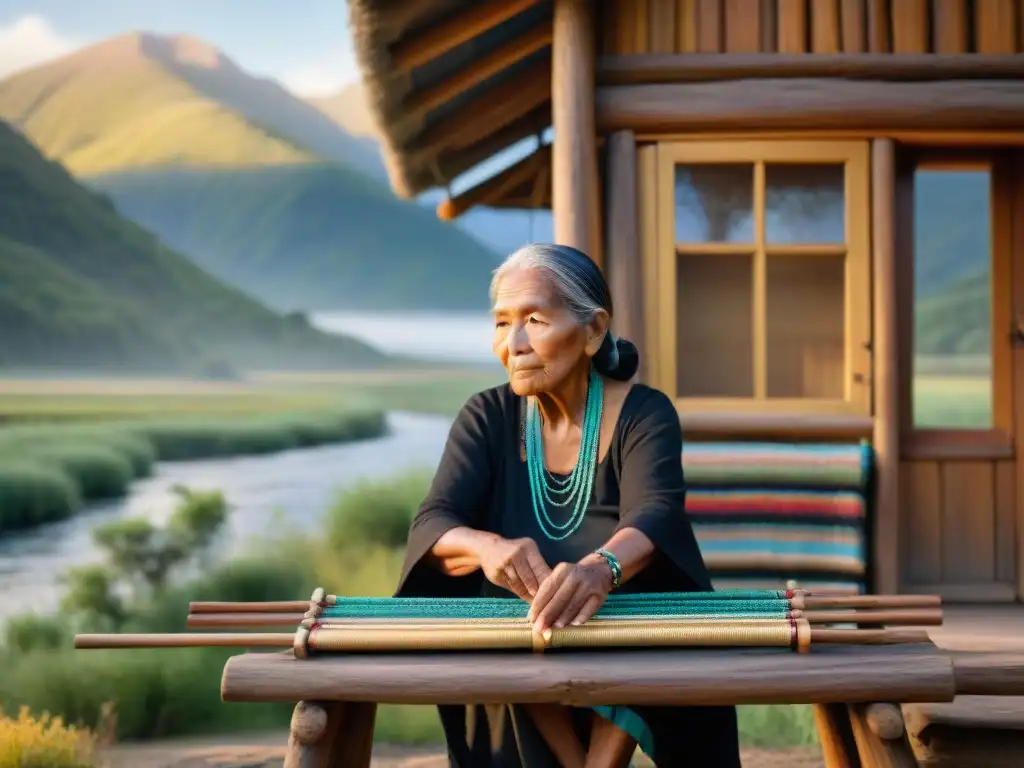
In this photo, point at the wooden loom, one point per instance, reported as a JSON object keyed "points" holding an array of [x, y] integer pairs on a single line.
{"points": [[734, 618], [341, 662]]}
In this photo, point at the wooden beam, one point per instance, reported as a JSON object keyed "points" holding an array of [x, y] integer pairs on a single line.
{"points": [[774, 426], [489, 112], [451, 164], [496, 187], [622, 260], [811, 104], [696, 67], [462, 26], [1017, 286], [501, 58], [575, 185], [886, 433]]}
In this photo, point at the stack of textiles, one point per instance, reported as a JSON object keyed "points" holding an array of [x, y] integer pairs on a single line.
{"points": [[770, 513]]}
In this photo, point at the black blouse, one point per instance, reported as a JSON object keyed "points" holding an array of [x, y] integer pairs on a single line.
{"points": [[482, 482]]}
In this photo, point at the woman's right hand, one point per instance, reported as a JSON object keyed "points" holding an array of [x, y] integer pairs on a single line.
{"points": [[515, 565]]}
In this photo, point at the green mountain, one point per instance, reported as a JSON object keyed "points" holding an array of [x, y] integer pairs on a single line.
{"points": [[957, 320], [80, 286], [293, 207], [310, 237]]}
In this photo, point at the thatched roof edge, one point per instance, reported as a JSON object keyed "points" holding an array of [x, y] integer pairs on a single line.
{"points": [[383, 92]]}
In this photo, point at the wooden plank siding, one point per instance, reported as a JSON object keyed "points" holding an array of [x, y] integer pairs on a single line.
{"points": [[958, 528], [633, 27]]}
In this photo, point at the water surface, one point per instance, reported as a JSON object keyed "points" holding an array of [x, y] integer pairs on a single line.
{"points": [[296, 487]]}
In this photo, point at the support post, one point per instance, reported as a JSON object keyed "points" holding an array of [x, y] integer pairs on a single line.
{"points": [[576, 198], [331, 734], [885, 375], [622, 259], [881, 736]]}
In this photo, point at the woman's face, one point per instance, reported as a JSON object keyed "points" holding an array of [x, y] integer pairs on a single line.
{"points": [[536, 338]]}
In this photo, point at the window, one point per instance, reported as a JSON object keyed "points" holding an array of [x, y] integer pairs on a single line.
{"points": [[953, 299], [763, 275]]}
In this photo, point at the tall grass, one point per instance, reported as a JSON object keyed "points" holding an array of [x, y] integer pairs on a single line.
{"points": [[161, 693], [47, 471], [43, 742]]}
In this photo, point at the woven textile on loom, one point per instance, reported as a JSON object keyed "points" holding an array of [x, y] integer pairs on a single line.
{"points": [[767, 513]]}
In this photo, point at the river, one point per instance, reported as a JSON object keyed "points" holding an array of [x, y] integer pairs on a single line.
{"points": [[295, 487]]}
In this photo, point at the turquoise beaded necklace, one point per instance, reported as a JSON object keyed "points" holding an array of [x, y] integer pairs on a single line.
{"points": [[574, 490]]}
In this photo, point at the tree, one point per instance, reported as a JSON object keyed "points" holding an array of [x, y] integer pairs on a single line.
{"points": [[142, 556]]}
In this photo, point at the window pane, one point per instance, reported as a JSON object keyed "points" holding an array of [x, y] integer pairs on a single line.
{"points": [[805, 330], [952, 299], [716, 342], [804, 204], [715, 203]]}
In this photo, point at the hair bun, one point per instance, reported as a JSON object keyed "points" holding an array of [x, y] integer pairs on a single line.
{"points": [[617, 358]]}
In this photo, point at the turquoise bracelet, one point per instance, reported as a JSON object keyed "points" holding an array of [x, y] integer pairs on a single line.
{"points": [[614, 564]]}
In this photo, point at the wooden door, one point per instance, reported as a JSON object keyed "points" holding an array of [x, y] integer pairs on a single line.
{"points": [[960, 233]]}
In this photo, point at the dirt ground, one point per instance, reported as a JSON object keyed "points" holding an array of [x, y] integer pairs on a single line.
{"points": [[267, 751]]}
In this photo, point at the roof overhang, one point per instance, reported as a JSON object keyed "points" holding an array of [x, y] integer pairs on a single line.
{"points": [[451, 83]]}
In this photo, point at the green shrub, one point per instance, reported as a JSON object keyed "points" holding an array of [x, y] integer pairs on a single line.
{"points": [[32, 494], [100, 471], [46, 470], [375, 513], [24, 634], [139, 451]]}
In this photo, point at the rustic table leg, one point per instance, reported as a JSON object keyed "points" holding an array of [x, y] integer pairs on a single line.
{"points": [[881, 736], [837, 745], [331, 734]]}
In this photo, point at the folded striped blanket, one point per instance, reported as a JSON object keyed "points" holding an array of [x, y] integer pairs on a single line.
{"points": [[769, 513]]}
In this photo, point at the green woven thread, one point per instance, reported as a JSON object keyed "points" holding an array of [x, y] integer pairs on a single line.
{"points": [[738, 604]]}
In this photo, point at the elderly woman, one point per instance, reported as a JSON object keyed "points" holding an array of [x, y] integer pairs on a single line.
{"points": [[556, 488]]}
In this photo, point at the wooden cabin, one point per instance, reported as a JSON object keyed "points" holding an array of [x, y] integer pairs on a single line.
{"points": [[794, 201]]}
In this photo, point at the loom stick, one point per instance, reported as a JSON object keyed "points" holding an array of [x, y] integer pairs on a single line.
{"points": [[910, 617], [282, 606], [796, 599], [873, 601], [187, 640]]}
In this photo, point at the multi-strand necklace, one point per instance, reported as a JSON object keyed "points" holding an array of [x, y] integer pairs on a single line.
{"points": [[575, 489]]}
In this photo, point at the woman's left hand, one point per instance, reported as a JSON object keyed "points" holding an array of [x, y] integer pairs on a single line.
{"points": [[571, 594]]}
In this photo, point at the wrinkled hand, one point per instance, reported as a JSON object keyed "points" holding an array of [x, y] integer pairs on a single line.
{"points": [[572, 594], [515, 565]]}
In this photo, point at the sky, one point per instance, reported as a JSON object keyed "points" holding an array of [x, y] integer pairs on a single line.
{"points": [[307, 48]]}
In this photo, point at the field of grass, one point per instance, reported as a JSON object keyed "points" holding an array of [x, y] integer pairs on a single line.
{"points": [[65, 443], [159, 693], [952, 401]]}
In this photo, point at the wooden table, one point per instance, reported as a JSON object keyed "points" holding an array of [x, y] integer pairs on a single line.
{"points": [[857, 690]]}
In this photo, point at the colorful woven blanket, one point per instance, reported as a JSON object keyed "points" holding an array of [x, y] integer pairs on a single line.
{"points": [[769, 513]]}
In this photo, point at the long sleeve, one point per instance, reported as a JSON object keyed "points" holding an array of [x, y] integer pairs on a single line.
{"points": [[652, 490], [459, 496]]}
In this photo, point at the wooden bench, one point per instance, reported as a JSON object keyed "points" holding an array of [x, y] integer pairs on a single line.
{"points": [[856, 689], [973, 731]]}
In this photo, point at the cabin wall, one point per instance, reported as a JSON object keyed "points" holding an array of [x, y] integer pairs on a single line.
{"points": [[811, 26], [954, 517]]}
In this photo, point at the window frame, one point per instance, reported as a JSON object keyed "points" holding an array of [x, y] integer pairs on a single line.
{"points": [[854, 155], [949, 442]]}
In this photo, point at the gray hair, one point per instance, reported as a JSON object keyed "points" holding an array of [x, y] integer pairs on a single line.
{"points": [[567, 284], [579, 284]]}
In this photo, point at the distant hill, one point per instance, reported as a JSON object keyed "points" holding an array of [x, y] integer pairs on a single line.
{"points": [[157, 118], [957, 320], [309, 237], [80, 286], [500, 229]]}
